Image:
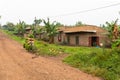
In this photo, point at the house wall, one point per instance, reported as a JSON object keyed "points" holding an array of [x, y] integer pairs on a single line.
{"points": [[105, 40], [63, 40], [83, 38]]}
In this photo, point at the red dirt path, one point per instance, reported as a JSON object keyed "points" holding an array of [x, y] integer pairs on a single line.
{"points": [[17, 64]]}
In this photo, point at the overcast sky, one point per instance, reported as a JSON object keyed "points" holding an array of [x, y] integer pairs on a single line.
{"points": [[26, 10]]}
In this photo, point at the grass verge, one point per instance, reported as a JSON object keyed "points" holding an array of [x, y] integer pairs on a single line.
{"points": [[14, 37]]}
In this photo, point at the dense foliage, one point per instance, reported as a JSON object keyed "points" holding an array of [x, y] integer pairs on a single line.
{"points": [[114, 32], [50, 29]]}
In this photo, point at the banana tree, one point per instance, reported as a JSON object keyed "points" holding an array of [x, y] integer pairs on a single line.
{"points": [[50, 29], [37, 21], [110, 27], [36, 26], [20, 28], [113, 30]]}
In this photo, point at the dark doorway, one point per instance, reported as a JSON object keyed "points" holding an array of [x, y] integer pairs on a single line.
{"points": [[77, 40], [94, 41], [68, 39]]}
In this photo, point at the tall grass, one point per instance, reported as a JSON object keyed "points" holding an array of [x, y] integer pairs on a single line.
{"points": [[105, 65]]}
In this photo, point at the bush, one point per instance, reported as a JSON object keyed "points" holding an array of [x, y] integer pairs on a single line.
{"points": [[29, 46], [116, 43], [31, 36]]}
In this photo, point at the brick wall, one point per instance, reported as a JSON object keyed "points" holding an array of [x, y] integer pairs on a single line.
{"points": [[83, 38]]}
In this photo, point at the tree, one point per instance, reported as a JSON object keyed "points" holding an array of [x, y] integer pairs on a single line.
{"points": [[79, 23], [37, 21], [110, 27], [113, 30], [20, 28], [59, 24], [39, 32], [35, 26], [9, 26], [50, 29]]}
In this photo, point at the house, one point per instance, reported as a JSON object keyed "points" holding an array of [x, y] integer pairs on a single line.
{"points": [[28, 31], [37, 34], [87, 35]]}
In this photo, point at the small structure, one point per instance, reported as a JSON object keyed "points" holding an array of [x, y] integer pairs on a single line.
{"points": [[87, 35], [28, 31]]}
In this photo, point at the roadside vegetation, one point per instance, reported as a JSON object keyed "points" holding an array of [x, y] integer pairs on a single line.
{"points": [[98, 61], [14, 37]]}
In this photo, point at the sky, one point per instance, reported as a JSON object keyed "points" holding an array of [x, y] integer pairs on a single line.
{"points": [[67, 12]]}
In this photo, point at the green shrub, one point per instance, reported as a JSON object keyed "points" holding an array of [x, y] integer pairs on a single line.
{"points": [[105, 65], [116, 43], [29, 46], [31, 36]]}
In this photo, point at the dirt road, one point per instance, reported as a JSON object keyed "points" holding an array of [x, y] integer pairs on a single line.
{"points": [[17, 64]]}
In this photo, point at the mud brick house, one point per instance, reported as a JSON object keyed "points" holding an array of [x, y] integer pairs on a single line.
{"points": [[28, 31], [87, 35]]}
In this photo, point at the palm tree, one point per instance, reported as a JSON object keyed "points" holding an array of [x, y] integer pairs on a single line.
{"points": [[50, 29]]}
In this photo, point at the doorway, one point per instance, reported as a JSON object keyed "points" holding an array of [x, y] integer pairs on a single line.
{"points": [[68, 40], [77, 40], [94, 41]]}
